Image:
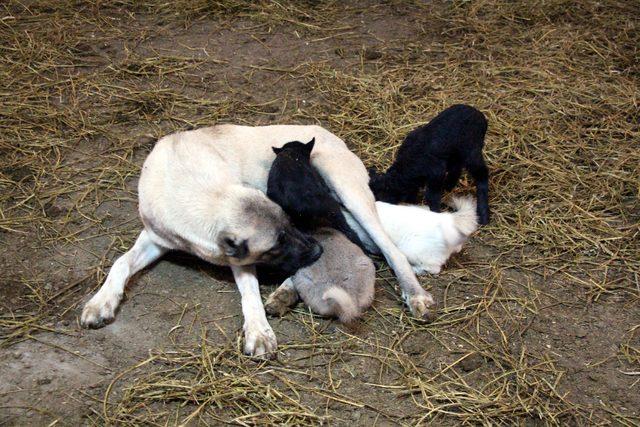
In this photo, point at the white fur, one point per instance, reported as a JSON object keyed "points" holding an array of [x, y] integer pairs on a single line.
{"points": [[426, 238]]}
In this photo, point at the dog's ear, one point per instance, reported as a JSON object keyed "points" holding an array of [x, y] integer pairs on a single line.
{"points": [[233, 247], [309, 145], [276, 150]]}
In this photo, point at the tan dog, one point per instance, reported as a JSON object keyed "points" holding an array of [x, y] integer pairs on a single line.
{"points": [[202, 191]]}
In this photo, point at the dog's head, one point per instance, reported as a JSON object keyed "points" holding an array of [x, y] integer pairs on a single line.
{"points": [[259, 232], [296, 149]]}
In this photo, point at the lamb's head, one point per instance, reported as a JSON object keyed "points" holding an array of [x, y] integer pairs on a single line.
{"points": [[296, 149], [383, 187]]}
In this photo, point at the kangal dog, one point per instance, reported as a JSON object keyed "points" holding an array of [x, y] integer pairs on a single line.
{"points": [[203, 192]]}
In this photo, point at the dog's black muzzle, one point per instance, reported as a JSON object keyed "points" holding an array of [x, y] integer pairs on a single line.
{"points": [[299, 250]]}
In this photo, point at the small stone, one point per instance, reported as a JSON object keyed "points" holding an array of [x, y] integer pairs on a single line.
{"points": [[471, 363], [580, 332], [371, 54], [147, 139]]}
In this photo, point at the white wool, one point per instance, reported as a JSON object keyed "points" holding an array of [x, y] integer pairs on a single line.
{"points": [[426, 238]]}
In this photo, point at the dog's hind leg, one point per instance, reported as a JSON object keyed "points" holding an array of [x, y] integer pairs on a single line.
{"points": [[345, 174], [259, 339], [100, 310]]}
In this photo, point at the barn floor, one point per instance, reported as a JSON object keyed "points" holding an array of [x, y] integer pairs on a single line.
{"points": [[539, 316]]}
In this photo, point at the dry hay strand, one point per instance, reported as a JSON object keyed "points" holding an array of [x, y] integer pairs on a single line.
{"points": [[208, 384]]}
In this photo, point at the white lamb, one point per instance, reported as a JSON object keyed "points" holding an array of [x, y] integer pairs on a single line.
{"points": [[426, 238]]}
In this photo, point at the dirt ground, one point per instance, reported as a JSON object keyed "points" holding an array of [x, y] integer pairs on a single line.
{"points": [[539, 316]]}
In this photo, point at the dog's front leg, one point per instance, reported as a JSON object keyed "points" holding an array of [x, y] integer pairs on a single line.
{"points": [[101, 309], [259, 339]]}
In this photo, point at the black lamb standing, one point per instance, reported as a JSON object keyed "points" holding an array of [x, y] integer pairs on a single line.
{"points": [[435, 155], [299, 189]]}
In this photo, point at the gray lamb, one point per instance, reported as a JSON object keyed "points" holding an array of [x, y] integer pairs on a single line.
{"points": [[339, 284]]}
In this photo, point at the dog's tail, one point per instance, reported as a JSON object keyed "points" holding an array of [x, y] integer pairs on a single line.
{"points": [[341, 304], [465, 219]]}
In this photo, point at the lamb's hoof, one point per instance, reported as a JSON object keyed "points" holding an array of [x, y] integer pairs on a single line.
{"points": [[483, 218], [422, 307], [280, 301], [260, 341], [98, 313]]}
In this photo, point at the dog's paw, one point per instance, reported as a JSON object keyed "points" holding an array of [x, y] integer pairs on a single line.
{"points": [[99, 311], [259, 340], [422, 306], [280, 301]]}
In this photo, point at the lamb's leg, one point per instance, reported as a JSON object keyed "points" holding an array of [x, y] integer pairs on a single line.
{"points": [[282, 299], [433, 196], [435, 183], [480, 173], [101, 309], [454, 170], [259, 339], [345, 174]]}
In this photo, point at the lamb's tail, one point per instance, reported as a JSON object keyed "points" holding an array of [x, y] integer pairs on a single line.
{"points": [[466, 217], [342, 304]]}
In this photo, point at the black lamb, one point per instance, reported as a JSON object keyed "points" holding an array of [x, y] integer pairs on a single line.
{"points": [[299, 189], [435, 155]]}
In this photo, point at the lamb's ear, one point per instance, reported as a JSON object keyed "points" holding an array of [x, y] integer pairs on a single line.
{"points": [[276, 150], [309, 145], [233, 247]]}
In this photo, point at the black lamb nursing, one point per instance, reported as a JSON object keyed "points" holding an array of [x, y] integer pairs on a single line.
{"points": [[435, 155], [299, 189]]}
